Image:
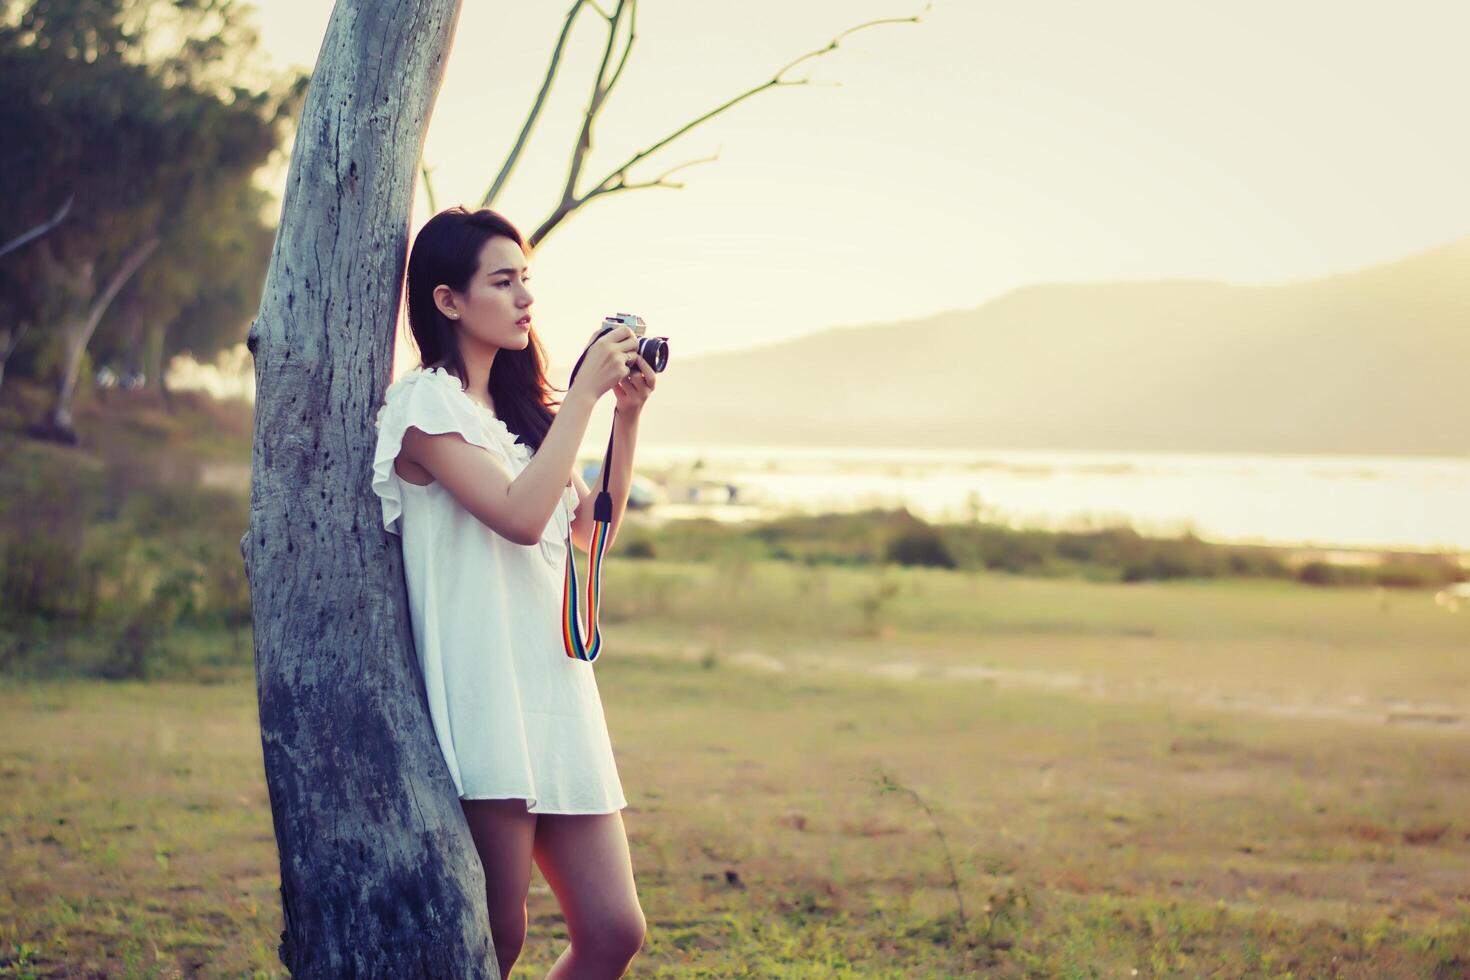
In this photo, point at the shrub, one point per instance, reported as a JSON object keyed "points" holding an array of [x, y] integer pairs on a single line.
{"points": [[1408, 575], [919, 545], [1326, 573], [639, 547]]}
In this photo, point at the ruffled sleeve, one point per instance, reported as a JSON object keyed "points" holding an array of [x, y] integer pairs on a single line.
{"points": [[423, 399]]}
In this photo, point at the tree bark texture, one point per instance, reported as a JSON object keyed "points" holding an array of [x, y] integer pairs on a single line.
{"points": [[379, 876]]}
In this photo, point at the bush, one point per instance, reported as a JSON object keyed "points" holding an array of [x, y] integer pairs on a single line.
{"points": [[920, 545], [100, 561], [1326, 573], [1401, 574], [1002, 548], [1255, 563], [639, 548], [44, 568]]}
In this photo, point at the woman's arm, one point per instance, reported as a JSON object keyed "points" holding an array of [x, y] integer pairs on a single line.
{"points": [[516, 508], [620, 481]]}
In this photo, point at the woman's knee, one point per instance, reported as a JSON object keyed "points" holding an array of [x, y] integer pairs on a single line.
{"points": [[508, 934], [618, 937], [504, 833]]}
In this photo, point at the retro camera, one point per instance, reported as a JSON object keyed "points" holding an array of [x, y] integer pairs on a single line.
{"points": [[654, 350]]}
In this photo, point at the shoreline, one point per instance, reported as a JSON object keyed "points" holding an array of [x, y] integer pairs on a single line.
{"points": [[1297, 552]]}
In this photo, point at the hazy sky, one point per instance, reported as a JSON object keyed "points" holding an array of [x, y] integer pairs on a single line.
{"points": [[990, 146]]}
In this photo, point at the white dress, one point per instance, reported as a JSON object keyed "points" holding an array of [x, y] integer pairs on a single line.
{"points": [[516, 718]]}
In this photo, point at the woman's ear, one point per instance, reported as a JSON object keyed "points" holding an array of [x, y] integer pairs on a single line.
{"points": [[445, 299]]}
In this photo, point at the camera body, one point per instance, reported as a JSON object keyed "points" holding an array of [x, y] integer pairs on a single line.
{"points": [[654, 350]]}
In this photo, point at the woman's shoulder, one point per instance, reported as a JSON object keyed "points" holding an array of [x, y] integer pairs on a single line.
{"points": [[434, 400], [422, 389], [421, 375]]}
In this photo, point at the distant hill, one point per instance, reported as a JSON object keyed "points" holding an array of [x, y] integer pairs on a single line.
{"points": [[1371, 361]]}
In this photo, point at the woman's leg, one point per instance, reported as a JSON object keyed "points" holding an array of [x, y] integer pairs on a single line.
{"points": [[585, 860], [504, 832]]}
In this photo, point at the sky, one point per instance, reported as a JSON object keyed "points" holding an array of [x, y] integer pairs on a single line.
{"points": [[934, 166]]}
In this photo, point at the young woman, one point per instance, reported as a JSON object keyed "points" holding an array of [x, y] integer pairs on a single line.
{"points": [[476, 473]]}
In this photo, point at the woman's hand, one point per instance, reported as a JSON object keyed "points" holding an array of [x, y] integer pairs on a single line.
{"points": [[607, 361], [633, 391]]}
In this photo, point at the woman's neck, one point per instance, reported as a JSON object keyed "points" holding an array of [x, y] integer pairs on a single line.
{"points": [[477, 362]]}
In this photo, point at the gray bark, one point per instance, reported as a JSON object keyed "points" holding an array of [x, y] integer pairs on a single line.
{"points": [[379, 876], [77, 334]]}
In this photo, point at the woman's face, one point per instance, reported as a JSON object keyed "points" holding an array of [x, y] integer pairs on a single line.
{"points": [[495, 308]]}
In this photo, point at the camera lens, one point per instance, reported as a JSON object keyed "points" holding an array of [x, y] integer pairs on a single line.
{"points": [[654, 350]]}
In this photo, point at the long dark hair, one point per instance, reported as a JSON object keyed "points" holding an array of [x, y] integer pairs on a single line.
{"points": [[447, 252]]}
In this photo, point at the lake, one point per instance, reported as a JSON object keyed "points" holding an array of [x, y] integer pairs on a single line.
{"points": [[1411, 503]]}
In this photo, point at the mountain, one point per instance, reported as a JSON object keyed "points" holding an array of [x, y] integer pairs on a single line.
{"points": [[1370, 361]]}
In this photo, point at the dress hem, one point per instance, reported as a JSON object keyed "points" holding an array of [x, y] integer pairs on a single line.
{"points": [[555, 813]]}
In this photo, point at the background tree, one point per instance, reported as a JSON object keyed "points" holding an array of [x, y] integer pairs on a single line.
{"points": [[144, 142], [199, 291]]}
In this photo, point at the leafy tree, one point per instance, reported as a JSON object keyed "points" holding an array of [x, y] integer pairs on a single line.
{"points": [[199, 291], [147, 143]]}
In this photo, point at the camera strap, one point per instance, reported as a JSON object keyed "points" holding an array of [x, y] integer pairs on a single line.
{"points": [[587, 644]]}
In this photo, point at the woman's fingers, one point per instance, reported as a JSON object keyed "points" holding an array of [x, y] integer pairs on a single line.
{"points": [[642, 376]]}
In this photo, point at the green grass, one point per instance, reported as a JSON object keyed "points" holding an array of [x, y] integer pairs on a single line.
{"points": [[1227, 775], [1095, 829]]}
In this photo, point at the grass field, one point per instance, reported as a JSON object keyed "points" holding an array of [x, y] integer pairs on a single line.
{"points": [[1230, 778]]}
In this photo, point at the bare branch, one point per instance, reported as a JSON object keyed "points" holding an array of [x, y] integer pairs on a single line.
{"points": [[428, 187], [561, 212], [515, 154], [617, 179], [632, 36], [594, 106], [775, 82], [649, 151], [658, 181], [40, 229], [832, 45]]}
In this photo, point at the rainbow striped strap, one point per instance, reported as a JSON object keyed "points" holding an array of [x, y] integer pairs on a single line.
{"points": [[586, 644]]}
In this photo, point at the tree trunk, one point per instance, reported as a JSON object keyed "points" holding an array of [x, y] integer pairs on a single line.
{"points": [[9, 341], [77, 334], [134, 335], [153, 362], [379, 876]]}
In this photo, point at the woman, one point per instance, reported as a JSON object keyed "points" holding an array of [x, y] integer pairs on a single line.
{"points": [[476, 473]]}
